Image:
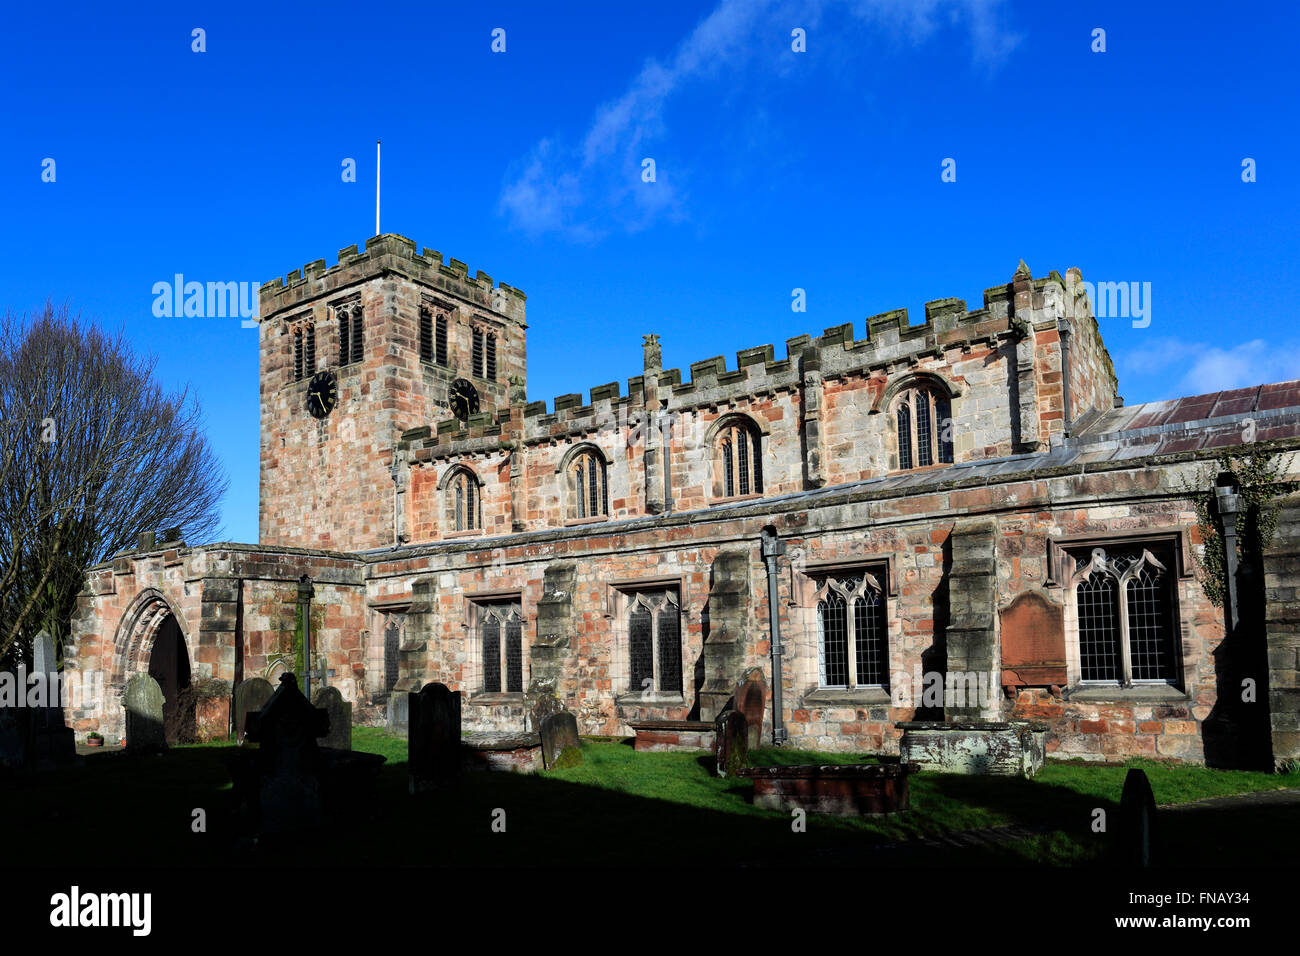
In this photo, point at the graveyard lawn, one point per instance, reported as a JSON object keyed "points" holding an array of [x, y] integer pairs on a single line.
{"points": [[625, 808]]}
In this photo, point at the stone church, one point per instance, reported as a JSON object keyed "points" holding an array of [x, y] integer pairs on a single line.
{"points": [[965, 497]]}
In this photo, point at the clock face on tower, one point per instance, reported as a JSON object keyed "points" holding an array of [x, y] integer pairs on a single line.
{"points": [[322, 394], [464, 399]]}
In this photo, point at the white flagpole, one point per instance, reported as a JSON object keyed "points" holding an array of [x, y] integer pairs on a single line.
{"points": [[376, 187]]}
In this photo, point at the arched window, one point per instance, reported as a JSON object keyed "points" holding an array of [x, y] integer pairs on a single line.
{"points": [[737, 459], [500, 629], [586, 489], [654, 635], [853, 641], [923, 427], [464, 503], [1124, 606], [351, 336], [297, 355]]}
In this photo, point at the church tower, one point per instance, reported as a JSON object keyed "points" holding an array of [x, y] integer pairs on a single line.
{"points": [[354, 355]]}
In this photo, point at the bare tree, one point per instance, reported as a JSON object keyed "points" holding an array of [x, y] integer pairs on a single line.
{"points": [[94, 452]]}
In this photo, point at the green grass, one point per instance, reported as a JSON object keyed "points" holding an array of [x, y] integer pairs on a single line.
{"points": [[618, 807]]}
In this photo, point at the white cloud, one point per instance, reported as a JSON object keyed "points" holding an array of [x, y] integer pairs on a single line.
{"points": [[582, 191], [1256, 362], [1210, 368]]}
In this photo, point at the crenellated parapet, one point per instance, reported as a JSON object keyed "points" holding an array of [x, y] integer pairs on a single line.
{"points": [[396, 255]]}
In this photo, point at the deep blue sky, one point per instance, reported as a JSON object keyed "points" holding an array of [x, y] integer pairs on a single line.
{"points": [[776, 170]]}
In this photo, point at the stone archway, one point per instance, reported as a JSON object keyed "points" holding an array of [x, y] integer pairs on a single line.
{"points": [[169, 665], [149, 622]]}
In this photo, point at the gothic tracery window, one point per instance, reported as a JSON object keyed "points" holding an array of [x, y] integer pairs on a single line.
{"points": [[923, 428], [500, 635], [654, 641], [852, 631], [738, 460], [1125, 611]]}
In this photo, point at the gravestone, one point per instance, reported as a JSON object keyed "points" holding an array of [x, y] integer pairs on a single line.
{"points": [[52, 740], [731, 743], [340, 715], [13, 738], [541, 706], [433, 745], [288, 761], [560, 744], [250, 696], [1136, 833], [144, 715], [399, 714], [751, 700]]}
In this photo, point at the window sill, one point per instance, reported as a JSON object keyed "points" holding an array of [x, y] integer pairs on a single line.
{"points": [[1105, 693], [650, 700], [497, 698], [473, 533], [735, 498], [581, 521], [873, 696], [919, 468]]}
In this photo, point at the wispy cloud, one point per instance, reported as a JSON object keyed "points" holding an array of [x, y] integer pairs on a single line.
{"points": [[1210, 368], [583, 190]]}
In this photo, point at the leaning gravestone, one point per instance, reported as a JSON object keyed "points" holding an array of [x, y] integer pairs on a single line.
{"points": [[433, 745], [331, 700], [731, 742], [560, 746], [144, 715], [53, 742], [250, 696], [1136, 833]]}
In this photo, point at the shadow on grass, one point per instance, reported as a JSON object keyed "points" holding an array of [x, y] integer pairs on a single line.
{"points": [[618, 808]]}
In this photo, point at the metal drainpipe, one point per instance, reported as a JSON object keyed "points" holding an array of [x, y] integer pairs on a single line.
{"points": [[1229, 503], [773, 548]]}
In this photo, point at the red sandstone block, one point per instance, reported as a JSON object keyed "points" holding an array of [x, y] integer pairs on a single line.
{"points": [[1149, 726], [1092, 726], [1180, 726]]}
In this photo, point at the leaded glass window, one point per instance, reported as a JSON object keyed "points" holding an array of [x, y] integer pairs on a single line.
{"points": [[852, 603], [1124, 605], [654, 641]]}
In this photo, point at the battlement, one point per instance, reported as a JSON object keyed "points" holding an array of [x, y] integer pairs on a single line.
{"points": [[390, 253]]}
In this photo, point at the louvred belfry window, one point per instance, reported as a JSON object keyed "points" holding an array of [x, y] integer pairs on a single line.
{"points": [[923, 428], [491, 357], [477, 353], [358, 334], [440, 341], [426, 334], [297, 355]]}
